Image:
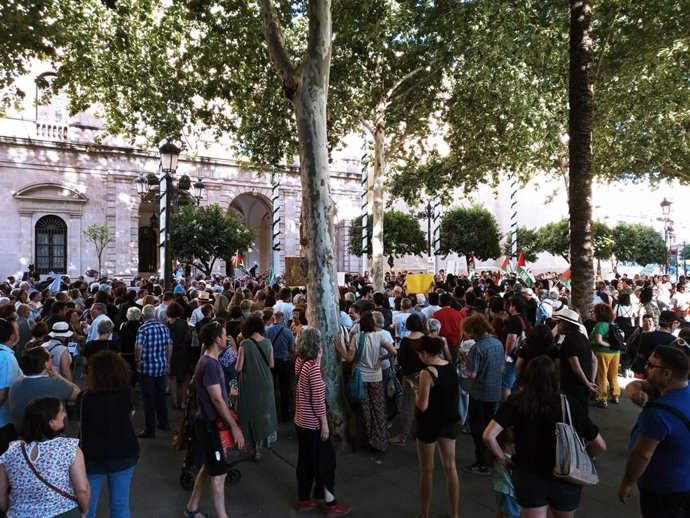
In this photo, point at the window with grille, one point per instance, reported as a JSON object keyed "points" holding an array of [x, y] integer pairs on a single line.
{"points": [[51, 245]]}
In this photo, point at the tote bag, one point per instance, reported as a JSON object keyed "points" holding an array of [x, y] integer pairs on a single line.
{"points": [[354, 389], [572, 460]]}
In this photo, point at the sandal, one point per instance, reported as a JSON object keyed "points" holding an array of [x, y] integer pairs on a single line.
{"points": [[397, 441], [195, 514]]}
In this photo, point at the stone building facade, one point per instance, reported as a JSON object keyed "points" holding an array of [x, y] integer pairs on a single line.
{"points": [[56, 180]]}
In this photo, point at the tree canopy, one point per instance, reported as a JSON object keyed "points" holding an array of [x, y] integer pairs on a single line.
{"points": [[470, 230], [29, 32], [402, 235], [202, 235], [554, 238], [638, 243], [527, 241]]}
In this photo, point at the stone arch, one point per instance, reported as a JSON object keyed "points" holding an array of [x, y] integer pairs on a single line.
{"points": [[50, 192], [255, 208], [148, 234]]}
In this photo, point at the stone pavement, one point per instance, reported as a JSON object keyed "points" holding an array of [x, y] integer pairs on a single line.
{"points": [[376, 485]]}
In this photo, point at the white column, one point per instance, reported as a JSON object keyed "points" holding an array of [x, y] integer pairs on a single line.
{"points": [[436, 225], [163, 265], [275, 198], [513, 215], [365, 210]]}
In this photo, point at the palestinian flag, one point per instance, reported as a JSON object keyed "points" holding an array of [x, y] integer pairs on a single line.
{"points": [[523, 272], [505, 268], [471, 267], [238, 264], [565, 278]]}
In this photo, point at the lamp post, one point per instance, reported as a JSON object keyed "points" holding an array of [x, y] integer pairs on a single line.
{"points": [[665, 211], [169, 153], [167, 194], [428, 213]]}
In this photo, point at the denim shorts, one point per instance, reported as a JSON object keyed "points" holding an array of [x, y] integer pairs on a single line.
{"points": [[508, 379], [537, 491]]}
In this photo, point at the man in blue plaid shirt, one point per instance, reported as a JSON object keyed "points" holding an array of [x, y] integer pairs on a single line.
{"points": [[152, 352]]}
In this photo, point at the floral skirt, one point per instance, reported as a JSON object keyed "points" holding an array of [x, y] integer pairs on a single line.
{"points": [[371, 417]]}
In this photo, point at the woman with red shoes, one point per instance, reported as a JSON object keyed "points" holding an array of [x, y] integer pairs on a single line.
{"points": [[316, 457]]}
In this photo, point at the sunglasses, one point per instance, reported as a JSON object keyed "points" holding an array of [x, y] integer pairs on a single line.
{"points": [[650, 366]]}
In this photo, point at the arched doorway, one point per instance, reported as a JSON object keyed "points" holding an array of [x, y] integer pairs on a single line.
{"points": [[256, 211], [148, 239]]}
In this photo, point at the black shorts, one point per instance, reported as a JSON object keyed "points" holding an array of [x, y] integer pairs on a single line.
{"points": [[447, 431], [537, 491], [214, 466]]}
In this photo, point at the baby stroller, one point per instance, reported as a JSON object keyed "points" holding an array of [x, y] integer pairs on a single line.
{"points": [[185, 440]]}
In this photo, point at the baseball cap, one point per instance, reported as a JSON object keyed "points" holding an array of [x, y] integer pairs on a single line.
{"points": [[668, 317]]}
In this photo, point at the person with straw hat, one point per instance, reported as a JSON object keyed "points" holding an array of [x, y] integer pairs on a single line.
{"points": [[578, 364]]}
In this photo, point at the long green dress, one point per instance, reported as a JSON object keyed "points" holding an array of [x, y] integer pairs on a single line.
{"points": [[256, 402]]}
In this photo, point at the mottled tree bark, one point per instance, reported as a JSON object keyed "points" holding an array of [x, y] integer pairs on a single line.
{"points": [[307, 89], [377, 262], [581, 93]]}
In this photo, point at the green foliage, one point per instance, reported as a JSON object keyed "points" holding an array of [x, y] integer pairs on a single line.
{"points": [[508, 109], [387, 71], [602, 241], [185, 70], [527, 241], [554, 238], [685, 253], [200, 235], [401, 235], [100, 236], [29, 31], [474, 229], [638, 243]]}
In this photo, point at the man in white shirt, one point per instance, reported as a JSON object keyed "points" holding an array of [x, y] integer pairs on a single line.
{"points": [[433, 306], [400, 319], [97, 315], [285, 304]]}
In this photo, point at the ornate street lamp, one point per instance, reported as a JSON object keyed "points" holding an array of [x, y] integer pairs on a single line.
{"points": [[145, 184], [169, 153], [668, 228], [199, 191]]}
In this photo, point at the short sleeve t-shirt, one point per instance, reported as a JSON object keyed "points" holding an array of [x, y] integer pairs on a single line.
{"points": [[669, 466], [575, 345], [486, 360], [601, 328], [649, 341], [535, 440], [387, 338], [371, 352], [93, 346], [208, 372], [25, 389], [515, 325], [9, 371]]}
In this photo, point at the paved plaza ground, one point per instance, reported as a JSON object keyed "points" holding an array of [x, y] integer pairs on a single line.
{"points": [[376, 485]]}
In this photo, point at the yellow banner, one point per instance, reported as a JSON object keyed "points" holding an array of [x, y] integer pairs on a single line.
{"points": [[420, 282]]}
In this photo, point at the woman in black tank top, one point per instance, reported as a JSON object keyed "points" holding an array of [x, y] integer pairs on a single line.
{"points": [[437, 423]]}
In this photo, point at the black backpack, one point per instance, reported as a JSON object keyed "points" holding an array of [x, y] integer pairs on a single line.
{"points": [[616, 337]]}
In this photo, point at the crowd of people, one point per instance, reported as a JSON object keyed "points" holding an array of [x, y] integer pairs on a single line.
{"points": [[488, 356]]}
